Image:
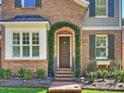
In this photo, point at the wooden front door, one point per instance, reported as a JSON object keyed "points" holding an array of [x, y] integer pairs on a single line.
{"points": [[64, 52]]}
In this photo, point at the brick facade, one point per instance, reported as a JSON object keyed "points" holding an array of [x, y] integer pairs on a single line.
{"points": [[55, 12], [51, 9], [85, 45], [123, 48]]}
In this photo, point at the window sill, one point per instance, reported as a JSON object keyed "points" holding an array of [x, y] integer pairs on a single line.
{"points": [[103, 62], [28, 59], [27, 7], [101, 16]]}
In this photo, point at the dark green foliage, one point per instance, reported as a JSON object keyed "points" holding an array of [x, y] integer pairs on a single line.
{"points": [[102, 74], [91, 77], [40, 73], [5, 73], [91, 66], [25, 73], [21, 72], [118, 76], [55, 27]]}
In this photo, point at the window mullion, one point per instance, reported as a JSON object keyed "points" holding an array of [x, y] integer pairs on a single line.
{"points": [[30, 44], [21, 45]]}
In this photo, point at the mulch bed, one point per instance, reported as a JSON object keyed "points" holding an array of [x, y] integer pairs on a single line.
{"points": [[20, 82], [108, 84]]}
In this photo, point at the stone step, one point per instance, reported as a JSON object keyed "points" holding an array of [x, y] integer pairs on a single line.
{"points": [[64, 75], [64, 72], [64, 87], [64, 69], [64, 79]]}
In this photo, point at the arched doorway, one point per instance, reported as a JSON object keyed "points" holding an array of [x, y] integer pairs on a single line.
{"points": [[64, 47]]}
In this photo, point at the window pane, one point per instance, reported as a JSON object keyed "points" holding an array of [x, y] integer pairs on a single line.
{"points": [[101, 7], [16, 51], [26, 38], [35, 51], [101, 41], [16, 38], [35, 38], [101, 52], [29, 3], [26, 51]]}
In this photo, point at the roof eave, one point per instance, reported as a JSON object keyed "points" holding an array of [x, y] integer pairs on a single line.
{"points": [[83, 3]]}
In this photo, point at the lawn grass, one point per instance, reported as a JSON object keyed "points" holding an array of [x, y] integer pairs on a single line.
{"points": [[22, 90], [44, 90], [98, 91]]}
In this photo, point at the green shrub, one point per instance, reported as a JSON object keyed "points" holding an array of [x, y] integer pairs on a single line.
{"points": [[5, 73], [102, 74], [40, 73], [91, 66], [91, 77], [99, 74], [21, 72], [25, 73], [119, 64], [118, 76]]}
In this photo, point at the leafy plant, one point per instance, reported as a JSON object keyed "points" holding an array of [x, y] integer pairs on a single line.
{"points": [[5, 73], [91, 77], [118, 76], [21, 72], [25, 73], [119, 64], [99, 74], [40, 73], [91, 66], [102, 74]]}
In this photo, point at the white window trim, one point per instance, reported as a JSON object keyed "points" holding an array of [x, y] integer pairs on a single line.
{"points": [[98, 16], [21, 47], [23, 4], [106, 46]]}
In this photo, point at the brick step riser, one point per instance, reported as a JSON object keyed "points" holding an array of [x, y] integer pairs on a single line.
{"points": [[64, 76], [62, 72]]}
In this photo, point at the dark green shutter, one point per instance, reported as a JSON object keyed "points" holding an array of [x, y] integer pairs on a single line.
{"points": [[92, 47], [18, 3], [38, 3], [111, 45]]}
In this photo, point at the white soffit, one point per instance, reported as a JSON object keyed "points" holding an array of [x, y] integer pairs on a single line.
{"points": [[82, 2]]}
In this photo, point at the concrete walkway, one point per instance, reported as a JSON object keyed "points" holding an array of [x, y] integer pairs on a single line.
{"points": [[64, 87]]}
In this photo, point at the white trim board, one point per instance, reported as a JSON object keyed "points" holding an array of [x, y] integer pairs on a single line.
{"points": [[101, 28]]}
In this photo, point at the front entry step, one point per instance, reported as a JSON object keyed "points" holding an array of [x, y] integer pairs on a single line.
{"points": [[64, 87], [64, 75]]}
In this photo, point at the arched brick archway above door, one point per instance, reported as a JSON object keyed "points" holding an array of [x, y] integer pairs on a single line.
{"points": [[61, 29]]}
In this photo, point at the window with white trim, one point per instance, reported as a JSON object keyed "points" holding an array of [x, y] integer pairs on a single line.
{"points": [[16, 44], [28, 3], [101, 7], [35, 44], [101, 46], [26, 45]]}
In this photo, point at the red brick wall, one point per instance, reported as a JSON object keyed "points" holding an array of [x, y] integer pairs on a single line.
{"points": [[53, 10], [15, 66], [123, 48], [85, 45]]}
